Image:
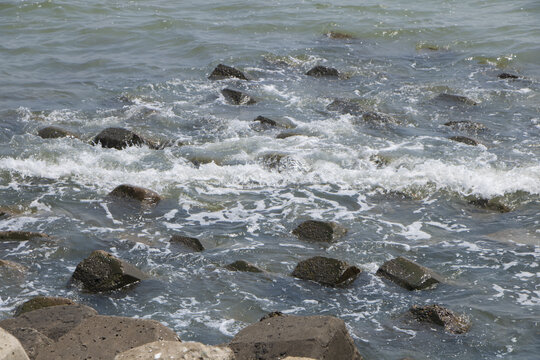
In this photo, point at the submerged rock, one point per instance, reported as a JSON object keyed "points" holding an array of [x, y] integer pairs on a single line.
{"points": [[466, 125], [346, 106], [438, 315], [320, 71], [380, 160], [285, 135], [264, 121], [281, 162], [10, 347], [505, 75], [317, 337], [490, 204], [5, 214], [223, 72], [189, 242], [178, 351], [375, 117], [244, 266], [118, 138], [53, 132], [236, 97], [40, 302], [464, 140], [102, 271], [20, 235], [339, 35], [145, 197], [456, 99], [11, 265], [326, 271], [408, 274], [319, 231]]}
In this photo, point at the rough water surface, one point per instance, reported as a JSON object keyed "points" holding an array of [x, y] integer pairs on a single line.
{"points": [[393, 177]]}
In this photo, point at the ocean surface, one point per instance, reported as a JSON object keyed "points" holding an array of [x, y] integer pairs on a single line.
{"points": [[88, 65]]}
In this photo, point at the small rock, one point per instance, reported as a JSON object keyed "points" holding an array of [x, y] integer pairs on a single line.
{"points": [[379, 160], [466, 125], [272, 314], [464, 140], [53, 132], [40, 302], [118, 138], [320, 71], [317, 337], [102, 271], [104, 337], [281, 162], [192, 243], [5, 214], [408, 274], [10, 347], [326, 271], [319, 231], [490, 204], [346, 106], [242, 265], [375, 117], [235, 97], [438, 315], [12, 266], [223, 71], [339, 35], [266, 121], [20, 235], [507, 76], [145, 196], [178, 351], [451, 98], [285, 135], [31, 340]]}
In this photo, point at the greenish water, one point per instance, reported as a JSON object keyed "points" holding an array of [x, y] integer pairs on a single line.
{"points": [[89, 65]]}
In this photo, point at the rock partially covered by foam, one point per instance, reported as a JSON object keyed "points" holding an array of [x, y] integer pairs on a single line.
{"points": [[223, 72], [322, 71], [142, 195], [53, 132], [408, 274], [438, 315], [241, 265], [236, 97], [119, 138]]}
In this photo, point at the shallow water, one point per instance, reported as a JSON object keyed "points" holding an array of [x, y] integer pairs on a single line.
{"points": [[144, 66]]}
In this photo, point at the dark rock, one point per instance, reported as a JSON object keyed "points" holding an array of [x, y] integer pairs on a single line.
{"points": [[285, 135], [320, 71], [507, 76], [223, 71], [189, 242], [145, 196], [438, 315], [326, 271], [339, 35], [53, 132], [272, 314], [235, 97], [20, 235], [317, 337], [118, 138], [375, 117], [40, 302], [103, 337], [408, 274], [464, 140], [490, 204], [319, 231], [102, 271], [242, 265], [5, 214], [466, 125], [11, 265], [346, 106], [53, 321], [31, 340], [266, 121], [455, 99]]}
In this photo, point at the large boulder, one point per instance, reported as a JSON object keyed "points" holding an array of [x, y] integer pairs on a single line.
{"points": [[189, 242], [118, 138], [464, 140], [174, 350], [40, 302], [102, 271], [145, 197], [317, 337], [244, 266], [320, 71], [223, 72], [454, 99], [10, 347], [20, 235], [326, 271], [31, 340], [438, 315], [53, 132], [319, 231], [104, 337], [236, 97], [408, 274]]}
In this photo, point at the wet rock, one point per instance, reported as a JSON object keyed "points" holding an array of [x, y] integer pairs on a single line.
{"points": [[464, 140], [318, 337], [244, 266], [490, 204], [455, 99], [40, 302], [13, 266], [223, 72], [102, 271], [320, 71], [189, 242], [281, 162], [10, 347], [104, 337], [339, 35], [31, 340], [145, 197], [379, 160], [5, 214], [178, 351], [319, 231], [466, 125], [272, 314], [20, 235], [53, 132], [438, 315], [266, 121], [505, 75], [118, 138], [326, 271], [53, 322], [374, 117], [235, 97], [285, 135], [408, 274], [346, 106]]}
